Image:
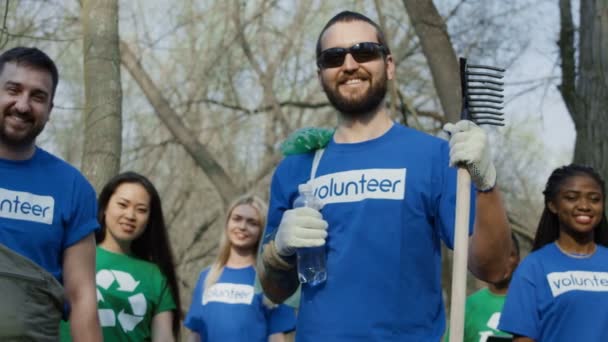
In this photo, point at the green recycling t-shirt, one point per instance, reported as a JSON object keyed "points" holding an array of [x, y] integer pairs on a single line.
{"points": [[130, 292], [482, 315]]}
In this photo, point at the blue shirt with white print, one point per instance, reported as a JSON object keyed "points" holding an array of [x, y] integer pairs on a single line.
{"points": [[231, 311], [555, 297], [46, 206], [389, 203]]}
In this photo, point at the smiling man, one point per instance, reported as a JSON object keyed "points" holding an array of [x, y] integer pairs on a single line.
{"points": [[389, 195], [47, 212]]}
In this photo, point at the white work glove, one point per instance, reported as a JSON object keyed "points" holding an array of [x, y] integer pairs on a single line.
{"points": [[300, 227], [469, 147]]}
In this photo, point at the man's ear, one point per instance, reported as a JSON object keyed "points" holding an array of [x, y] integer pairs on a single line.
{"points": [[390, 67]]}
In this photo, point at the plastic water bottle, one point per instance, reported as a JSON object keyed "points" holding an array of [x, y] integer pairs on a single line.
{"points": [[312, 268]]}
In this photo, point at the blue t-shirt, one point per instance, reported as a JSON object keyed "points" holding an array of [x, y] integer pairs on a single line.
{"points": [[230, 311], [46, 206], [389, 203], [555, 297]]}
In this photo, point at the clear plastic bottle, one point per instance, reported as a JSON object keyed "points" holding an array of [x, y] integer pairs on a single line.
{"points": [[312, 268]]}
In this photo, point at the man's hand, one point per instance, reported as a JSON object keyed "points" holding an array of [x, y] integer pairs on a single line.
{"points": [[469, 146], [300, 227]]}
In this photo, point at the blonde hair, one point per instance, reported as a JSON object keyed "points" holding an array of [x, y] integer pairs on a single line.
{"points": [[223, 254]]}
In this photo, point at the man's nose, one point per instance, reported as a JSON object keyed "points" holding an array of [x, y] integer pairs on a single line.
{"points": [[350, 63], [22, 103]]}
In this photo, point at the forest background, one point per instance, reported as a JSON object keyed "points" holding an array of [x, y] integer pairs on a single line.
{"points": [[198, 94]]}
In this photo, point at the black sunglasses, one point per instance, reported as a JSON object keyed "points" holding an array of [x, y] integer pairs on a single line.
{"points": [[361, 52]]}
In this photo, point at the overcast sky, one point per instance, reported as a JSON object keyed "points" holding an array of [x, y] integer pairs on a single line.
{"points": [[540, 61]]}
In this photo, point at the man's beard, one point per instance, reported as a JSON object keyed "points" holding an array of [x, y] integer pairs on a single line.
{"points": [[21, 141], [360, 106]]}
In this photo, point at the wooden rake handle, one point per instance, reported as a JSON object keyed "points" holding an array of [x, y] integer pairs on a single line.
{"points": [[461, 250]]}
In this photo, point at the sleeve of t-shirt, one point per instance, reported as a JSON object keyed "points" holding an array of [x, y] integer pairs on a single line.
{"points": [[277, 205], [194, 319], [519, 314], [282, 319], [446, 214], [165, 299], [83, 212]]}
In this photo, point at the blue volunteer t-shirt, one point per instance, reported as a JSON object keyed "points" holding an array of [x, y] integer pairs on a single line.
{"points": [[555, 297], [231, 311], [389, 203], [46, 206]]}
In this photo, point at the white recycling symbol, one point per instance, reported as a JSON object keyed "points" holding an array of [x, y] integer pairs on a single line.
{"points": [[126, 283]]}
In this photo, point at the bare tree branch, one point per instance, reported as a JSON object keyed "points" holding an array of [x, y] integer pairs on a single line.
{"points": [[567, 51], [439, 53], [216, 173]]}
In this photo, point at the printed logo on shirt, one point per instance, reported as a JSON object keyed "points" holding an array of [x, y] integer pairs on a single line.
{"points": [[358, 185], [229, 293], [119, 284], [562, 282], [25, 206]]}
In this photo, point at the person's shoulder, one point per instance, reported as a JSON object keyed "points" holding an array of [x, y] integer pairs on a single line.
{"points": [[48, 158], [133, 261], [602, 248], [64, 169], [546, 250], [479, 293], [294, 165], [203, 273], [418, 136], [296, 159], [148, 266], [601, 252], [533, 262]]}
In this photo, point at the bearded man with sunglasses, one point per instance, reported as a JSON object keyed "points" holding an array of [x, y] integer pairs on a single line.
{"points": [[389, 201]]}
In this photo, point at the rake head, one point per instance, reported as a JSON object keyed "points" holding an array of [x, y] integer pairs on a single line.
{"points": [[482, 93]]}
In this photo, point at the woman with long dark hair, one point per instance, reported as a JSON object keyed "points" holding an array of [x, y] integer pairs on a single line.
{"points": [[225, 307], [560, 291], [138, 297]]}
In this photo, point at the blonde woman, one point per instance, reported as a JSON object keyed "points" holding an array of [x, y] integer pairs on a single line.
{"points": [[224, 305]]}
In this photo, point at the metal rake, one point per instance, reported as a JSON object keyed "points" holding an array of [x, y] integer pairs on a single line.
{"points": [[482, 93], [482, 99]]}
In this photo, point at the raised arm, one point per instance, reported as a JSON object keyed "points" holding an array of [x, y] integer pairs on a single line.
{"points": [[490, 244], [79, 283]]}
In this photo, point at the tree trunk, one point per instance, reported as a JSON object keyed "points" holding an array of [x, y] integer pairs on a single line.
{"points": [[441, 58], [103, 94], [591, 108], [587, 99], [439, 53], [201, 155]]}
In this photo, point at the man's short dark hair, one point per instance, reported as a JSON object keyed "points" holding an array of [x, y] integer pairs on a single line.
{"points": [[31, 57], [348, 16]]}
